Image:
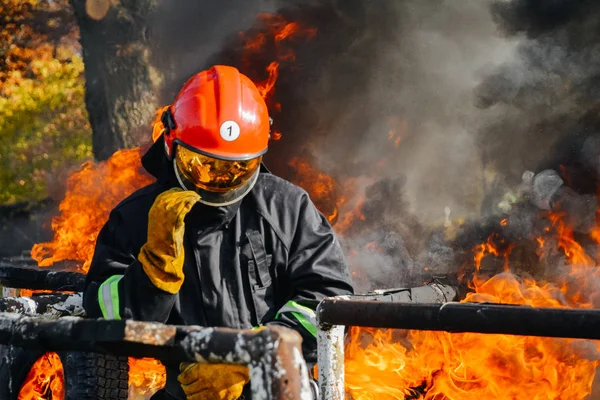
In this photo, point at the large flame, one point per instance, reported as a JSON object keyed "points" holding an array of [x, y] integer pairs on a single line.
{"points": [[45, 380], [92, 192], [392, 364]]}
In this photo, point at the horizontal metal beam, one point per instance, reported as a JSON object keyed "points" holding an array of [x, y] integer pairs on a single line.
{"points": [[274, 354], [31, 278], [462, 317]]}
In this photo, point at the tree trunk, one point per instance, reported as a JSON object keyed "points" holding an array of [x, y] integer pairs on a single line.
{"points": [[121, 85]]}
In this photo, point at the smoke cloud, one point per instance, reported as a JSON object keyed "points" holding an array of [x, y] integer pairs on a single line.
{"points": [[545, 100], [373, 74], [427, 111]]}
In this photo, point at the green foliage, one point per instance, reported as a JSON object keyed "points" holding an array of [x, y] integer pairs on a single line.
{"points": [[44, 127]]}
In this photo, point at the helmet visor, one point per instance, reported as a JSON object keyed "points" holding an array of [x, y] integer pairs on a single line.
{"points": [[212, 174]]}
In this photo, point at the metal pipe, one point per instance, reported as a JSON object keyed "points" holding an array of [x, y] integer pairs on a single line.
{"points": [[463, 317], [274, 354]]}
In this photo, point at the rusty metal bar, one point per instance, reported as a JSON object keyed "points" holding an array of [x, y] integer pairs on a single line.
{"points": [[464, 317], [274, 354]]}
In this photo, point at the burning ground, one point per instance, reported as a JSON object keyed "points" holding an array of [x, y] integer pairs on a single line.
{"points": [[411, 124]]}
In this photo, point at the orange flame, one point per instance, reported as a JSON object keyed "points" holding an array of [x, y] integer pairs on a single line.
{"points": [[92, 193], [352, 216], [266, 88], [293, 28], [393, 364], [279, 30], [441, 365], [481, 250], [575, 253], [321, 187], [397, 130], [146, 375], [45, 380], [540, 241]]}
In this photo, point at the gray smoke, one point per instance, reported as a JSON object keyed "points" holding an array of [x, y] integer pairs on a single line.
{"points": [[546, 99], [440, 105], [383, 92]]}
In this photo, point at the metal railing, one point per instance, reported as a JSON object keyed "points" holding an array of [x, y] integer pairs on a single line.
{"points": [[50, 322], [273, 354], [334, 314]]}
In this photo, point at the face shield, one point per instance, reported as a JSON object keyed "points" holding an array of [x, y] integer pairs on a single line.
{"points": [[218, 182]]}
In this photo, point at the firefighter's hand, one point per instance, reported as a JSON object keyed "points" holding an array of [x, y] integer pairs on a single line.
{"points": [[213, 381], [162, 255]]}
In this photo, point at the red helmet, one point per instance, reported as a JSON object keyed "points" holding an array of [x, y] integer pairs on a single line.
{"points": [[216, 132]]}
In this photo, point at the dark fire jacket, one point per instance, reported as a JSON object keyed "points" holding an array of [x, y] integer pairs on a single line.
{"points": [[268, 259]]}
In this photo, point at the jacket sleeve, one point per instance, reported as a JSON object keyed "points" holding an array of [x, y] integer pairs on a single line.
{"points": [[116, 285], [316, 269]]}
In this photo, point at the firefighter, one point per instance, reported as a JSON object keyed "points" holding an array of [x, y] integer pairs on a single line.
{"points": [[217, 240]]}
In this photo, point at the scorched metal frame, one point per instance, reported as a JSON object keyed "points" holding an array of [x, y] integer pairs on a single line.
{"points": [[335, 313]]}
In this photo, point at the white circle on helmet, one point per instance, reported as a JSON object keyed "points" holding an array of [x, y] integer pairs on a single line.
{"points": [[230, 130]]}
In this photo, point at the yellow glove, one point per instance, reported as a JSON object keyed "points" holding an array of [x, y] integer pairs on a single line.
{"points": [[162, 255], [213, 381]]}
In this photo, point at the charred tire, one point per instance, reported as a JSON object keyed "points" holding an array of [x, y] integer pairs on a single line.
{"points": [[88, 376], [95, 376]]}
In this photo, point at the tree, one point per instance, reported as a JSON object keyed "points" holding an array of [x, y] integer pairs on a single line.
{"points": [[121, 84], [43, 122]]}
